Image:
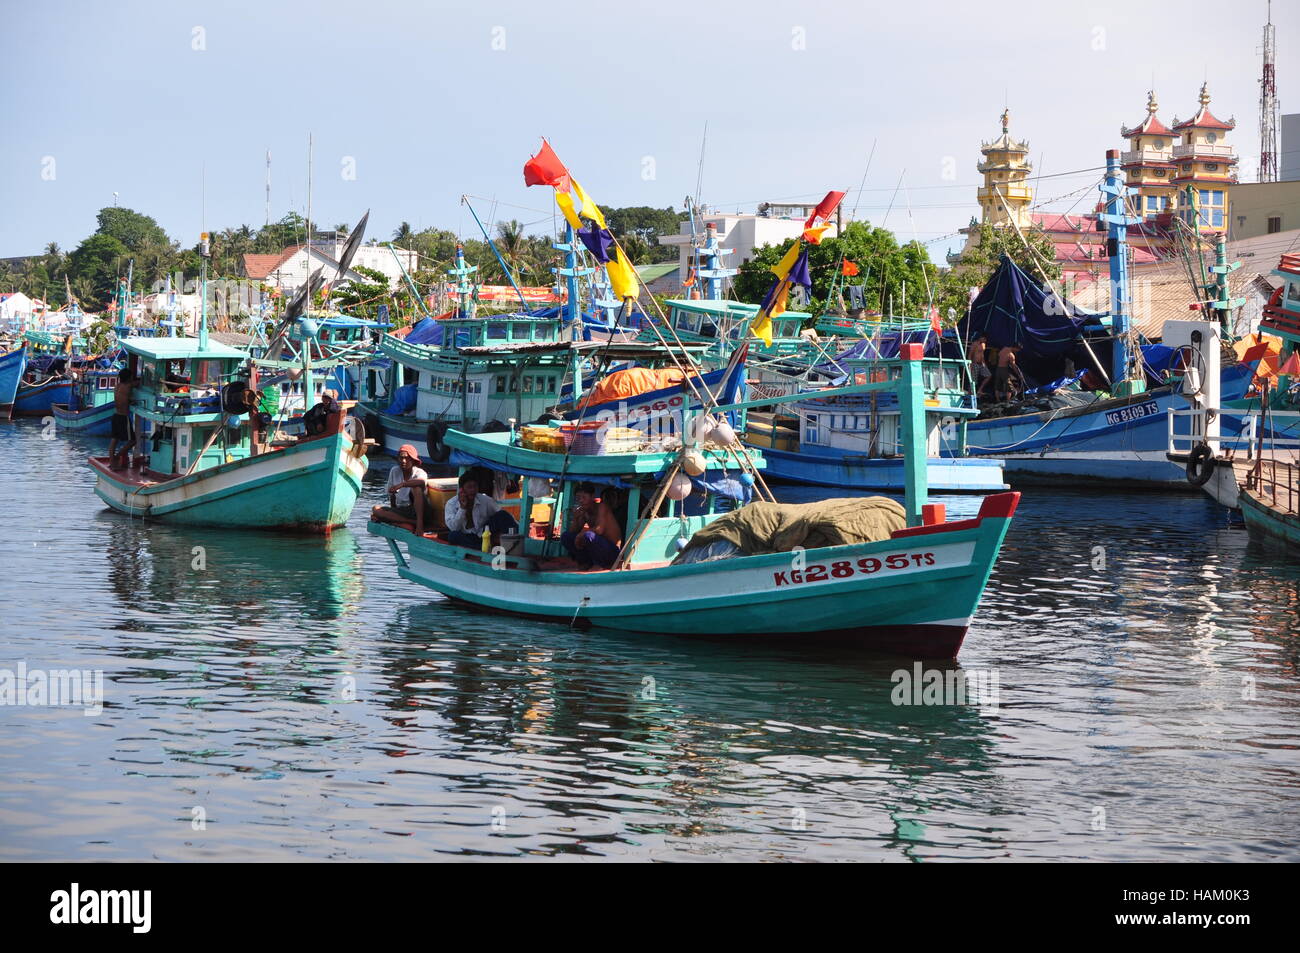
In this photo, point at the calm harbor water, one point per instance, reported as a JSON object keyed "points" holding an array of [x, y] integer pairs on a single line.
{"points": [[292, 699]]}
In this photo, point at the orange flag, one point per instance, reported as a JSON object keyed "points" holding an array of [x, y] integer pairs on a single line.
{"points": [[848, 269]]}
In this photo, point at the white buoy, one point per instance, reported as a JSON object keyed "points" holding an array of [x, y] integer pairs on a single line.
{"points": [[693, 462], [680, 487]]}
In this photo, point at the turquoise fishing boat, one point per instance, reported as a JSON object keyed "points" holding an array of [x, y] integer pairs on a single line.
{"points": [[89, 411], [913, 590], [205, 466]]}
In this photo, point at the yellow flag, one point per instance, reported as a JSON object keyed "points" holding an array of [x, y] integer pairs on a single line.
{"points": [[589, 208], [782, 268], [565, 201], [622, 276], [762, 327]]}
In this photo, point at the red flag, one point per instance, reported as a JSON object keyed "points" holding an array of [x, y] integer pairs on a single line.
{"points": [[849, 269], [545, 168], [1291, 368], [935, 326], [824, 208]]}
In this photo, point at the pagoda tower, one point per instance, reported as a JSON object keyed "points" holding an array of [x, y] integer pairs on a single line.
{"points": [[1148, 162], [1006, 194], [1205, 168]]}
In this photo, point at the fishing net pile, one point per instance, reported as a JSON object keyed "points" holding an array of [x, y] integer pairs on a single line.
{"points": [[764, 527]]}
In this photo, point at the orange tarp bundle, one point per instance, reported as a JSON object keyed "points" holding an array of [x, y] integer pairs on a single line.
{"points": [[629, 383]]}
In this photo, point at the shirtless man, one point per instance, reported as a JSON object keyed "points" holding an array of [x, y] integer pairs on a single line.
{"points": [[594, 537], [979, 365], [123, 432], [1007, 369]]}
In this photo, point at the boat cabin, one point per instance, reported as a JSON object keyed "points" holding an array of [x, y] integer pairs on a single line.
{"points": [[177, 403], [628, 481]]}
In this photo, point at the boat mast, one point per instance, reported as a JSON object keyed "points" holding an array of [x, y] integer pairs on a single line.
{"points": [[204, 252], [712, 265], [1117, 223]]}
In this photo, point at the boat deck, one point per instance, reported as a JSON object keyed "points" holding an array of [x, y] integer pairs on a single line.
{"points": [[132, 476], [1274, 480]]}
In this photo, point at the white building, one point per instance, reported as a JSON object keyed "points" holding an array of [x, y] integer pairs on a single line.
{"points": [[18, 311], [288, 270], [742, 234]]}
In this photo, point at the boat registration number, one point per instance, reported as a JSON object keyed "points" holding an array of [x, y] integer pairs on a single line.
{"points": [[1135, 412], [845, 568]]}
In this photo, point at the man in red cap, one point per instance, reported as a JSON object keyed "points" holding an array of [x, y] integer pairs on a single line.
{"points": [[407, 503]]}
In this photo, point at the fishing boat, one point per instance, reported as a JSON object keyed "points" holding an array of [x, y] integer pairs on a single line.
{"points": [[89, 409], [13, 363], [912, 591], [855, 441], [1061, 433], [205, 465]]}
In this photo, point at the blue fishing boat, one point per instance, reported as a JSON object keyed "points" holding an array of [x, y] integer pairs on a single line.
{"points": [[89, 410], [47, 380], [13, 363], [1059, 432]]}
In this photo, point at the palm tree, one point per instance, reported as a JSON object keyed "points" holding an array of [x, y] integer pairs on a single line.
{"points": [[513, 245], [343, 228], [402, 233]]}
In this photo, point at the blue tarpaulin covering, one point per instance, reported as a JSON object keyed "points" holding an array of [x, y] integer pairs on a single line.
{"points": [[428, 332], [403, 400], [1014, 309]]}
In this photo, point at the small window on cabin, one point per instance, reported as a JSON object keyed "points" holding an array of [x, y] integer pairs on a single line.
{"points": [[1274, 224], [528, 383], [103, 383], [550, 385]]}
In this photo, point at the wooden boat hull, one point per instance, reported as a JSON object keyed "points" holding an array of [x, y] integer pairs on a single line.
{"points": [[310, 486], [12, 365], [858, 472], [38, 400], [94, 422], [913, 594], [1268, 521]]}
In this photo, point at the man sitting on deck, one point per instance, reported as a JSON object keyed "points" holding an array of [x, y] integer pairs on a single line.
{"points": [[402, 480], [470, 512], [123, 434], [594, 537]]}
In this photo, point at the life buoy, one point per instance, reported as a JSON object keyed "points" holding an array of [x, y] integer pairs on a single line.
{"points": [[374, 429], [1200, 465], [433, 437]]}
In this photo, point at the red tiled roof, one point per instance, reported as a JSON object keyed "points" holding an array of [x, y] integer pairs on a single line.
{"points": [[1151, 126], [259, 266], [1205, 120]]}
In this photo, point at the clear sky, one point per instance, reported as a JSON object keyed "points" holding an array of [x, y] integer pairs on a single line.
{"points": [[172, 105]]}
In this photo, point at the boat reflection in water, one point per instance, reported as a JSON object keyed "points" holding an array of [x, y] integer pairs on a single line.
{"points": [[640, 740], [246, 583]]}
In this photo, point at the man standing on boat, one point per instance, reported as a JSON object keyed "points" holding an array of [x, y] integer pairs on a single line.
{"points": [[979, 365], [594, 537], [403, 479], [1008, 369], [470, 513], [123, 435]]}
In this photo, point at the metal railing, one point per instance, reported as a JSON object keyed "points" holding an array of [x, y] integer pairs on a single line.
{"points": [[1246, 440]]}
